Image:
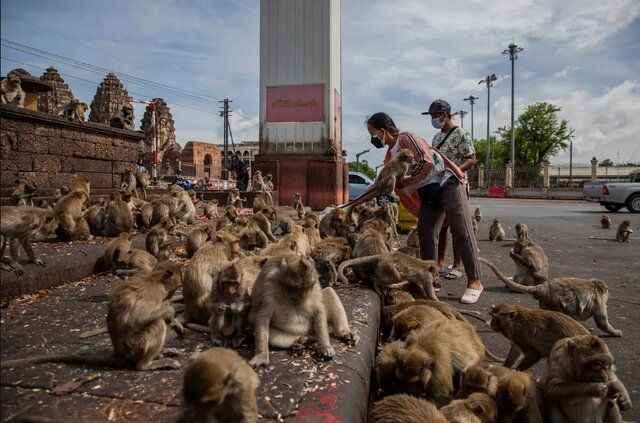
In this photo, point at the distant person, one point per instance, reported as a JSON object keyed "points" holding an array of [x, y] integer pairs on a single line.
{"points": [[440, 192], [455, 143], [241, 171]]}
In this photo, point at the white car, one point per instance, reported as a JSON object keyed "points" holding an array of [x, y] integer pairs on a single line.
{"points": [[359, 183]]}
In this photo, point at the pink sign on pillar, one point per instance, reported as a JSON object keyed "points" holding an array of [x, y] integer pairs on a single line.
{"points": [[295, 103]]}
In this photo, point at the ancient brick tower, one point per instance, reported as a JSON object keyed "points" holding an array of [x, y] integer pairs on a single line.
{"points": [[169, 150], [300, 101], [108, 101], [54, 101]]}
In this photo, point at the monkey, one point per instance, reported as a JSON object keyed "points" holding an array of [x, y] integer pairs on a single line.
{"points": [[450, 312], [477, 379], [413, 318], [623, 233], [124, 118], [288, 306], [580, 384], [138, 312], [219, 386], [233, 198], [11, 91], [279, 220], [186, 209], [385, 367], [433, 355], [253, 238], [298, 206], [476, 408], [522, 231], [159, 240], [402, 408], [395, 170], [262, 222], [78, 183], [395, 267], [75, 110], [334, 223], [310, 228], [371, 242], [477, 215], [575, 297], [296, 242], [228, 218], [128, 182], [532, 265], [332, 147], [69, 209], [211, 209], [135, 261], [197, 237], [326, 254], [517, 324], [267, 189], [145, 215], [143, 180], [119, 216], [96, 216], [116, 250], [257, 181], [18, 226], [518, 398], [496, 232], [23, 193], [258, 204], [412, 237], [605, 222], [201, 273], [397, 296]]}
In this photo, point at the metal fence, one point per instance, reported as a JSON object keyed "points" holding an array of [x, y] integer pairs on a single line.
{"points": [[497, 176], [528, 177]]}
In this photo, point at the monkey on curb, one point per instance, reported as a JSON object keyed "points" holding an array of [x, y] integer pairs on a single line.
{"points": [[138, 313], [576, 297]]}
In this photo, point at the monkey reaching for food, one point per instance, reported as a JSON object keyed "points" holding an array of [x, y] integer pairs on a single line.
{"points": [[580, 383], [219, 386], [288, 307]]}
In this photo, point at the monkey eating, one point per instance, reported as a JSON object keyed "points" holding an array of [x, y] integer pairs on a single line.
{"points": [[532, 265], [576, 297], [623, 233]]}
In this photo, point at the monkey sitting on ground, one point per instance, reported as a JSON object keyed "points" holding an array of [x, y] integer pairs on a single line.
{"points": [[326, 254], [23, 193], [11, 91], [69, 209], [517, 324], [258, 204], [580, 383], [575, 297], [135, 261], [402, 408], [395, 267], [385, 367], [435, 354], [159, 240], [310, 229], [477, 215], [116, 250], [138, 312], [288, 307], [532, 265], [496, 231], [233, 198], [219, 386], [253, 238], [605, 222], [413, 318], [75, 110], [128, 182], [119, 216], [522, 231], [477, 407], [518, 398], [334, 223], [477, 379], [18, 226], [211, 210], [96, 216], [623, 233], [298, 206]]}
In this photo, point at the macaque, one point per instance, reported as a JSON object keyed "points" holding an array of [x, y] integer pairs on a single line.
{"points": [[413, 318], [211, 210], [477, 379], [477, 215], [298, 206], [78, 183], [143, 180], [623, 233], [257, 182], [119, 216], [518, 398], [371, 242], [262, 222], [395, 170], [11, 91], [137, 317], [128, 182], [253, 238], [402, 408], [517, 324], [233, 198], [522, 231], [267, 189], [258, 204], [18, 226], [532, 265], [474, 226], [186, 209], [219, 386], [433, 355], [69, 209], [159, 240], [116, 250], [288, 307], [23, 194], [135, 261], [605, 221], [165, 206], [396, 267], [310, 228], [385, 368], [96, 216], [197, 237], [75, 110], [326, 254], [580, 382], [575, 297], [334, 223], [496, 231], [476, 408]]}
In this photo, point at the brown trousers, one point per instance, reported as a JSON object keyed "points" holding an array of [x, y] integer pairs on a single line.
{"points": [[453, 204]]}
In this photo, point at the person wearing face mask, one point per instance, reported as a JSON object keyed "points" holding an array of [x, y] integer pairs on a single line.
{"points": [[455, 143], [434, 189]]}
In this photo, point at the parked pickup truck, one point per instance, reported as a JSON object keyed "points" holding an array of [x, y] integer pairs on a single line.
{"points": [[615, 195]]}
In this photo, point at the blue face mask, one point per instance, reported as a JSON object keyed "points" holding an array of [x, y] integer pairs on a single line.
{"points": [[435, 122]]}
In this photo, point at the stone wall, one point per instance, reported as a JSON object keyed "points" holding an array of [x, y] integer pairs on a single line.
{"points": [[50, 150]]}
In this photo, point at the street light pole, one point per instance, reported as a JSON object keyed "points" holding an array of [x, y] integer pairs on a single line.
{"points": [[513, 51], [472, 100], [358, 158], [462, 113], [489, 81]]}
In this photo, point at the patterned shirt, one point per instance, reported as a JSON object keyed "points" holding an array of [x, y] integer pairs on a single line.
{"points": [[458, 147]]}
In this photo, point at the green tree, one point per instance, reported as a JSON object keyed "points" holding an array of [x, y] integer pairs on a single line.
{"points": [[500, 152], [364, 168], [606, 162]]}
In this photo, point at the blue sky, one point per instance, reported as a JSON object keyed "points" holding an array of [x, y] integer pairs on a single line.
{"points": [[397, 56]]}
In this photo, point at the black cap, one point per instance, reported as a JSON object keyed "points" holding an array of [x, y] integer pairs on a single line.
{"points": [[438, 106]]}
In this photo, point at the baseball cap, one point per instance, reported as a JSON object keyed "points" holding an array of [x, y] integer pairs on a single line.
{"points": [[438, 106]]}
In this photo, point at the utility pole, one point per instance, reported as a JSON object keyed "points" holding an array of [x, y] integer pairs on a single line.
{"points": [[513, 51], [358, 158], [224, 174], [154, 135], [489, 81], [462, 113], [472, 100]]}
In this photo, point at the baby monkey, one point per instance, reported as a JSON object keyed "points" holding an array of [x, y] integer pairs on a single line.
{"points": [[298, 206], [496, 231]]}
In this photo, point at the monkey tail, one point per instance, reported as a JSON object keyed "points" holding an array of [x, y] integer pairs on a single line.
{"points": [[474, 314], [354, 262], [492, 356], [511, 284], [94, 332], [96, 360]]}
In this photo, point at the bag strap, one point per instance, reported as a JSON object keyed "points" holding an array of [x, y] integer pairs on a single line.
{"points": [[445, 138]]}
